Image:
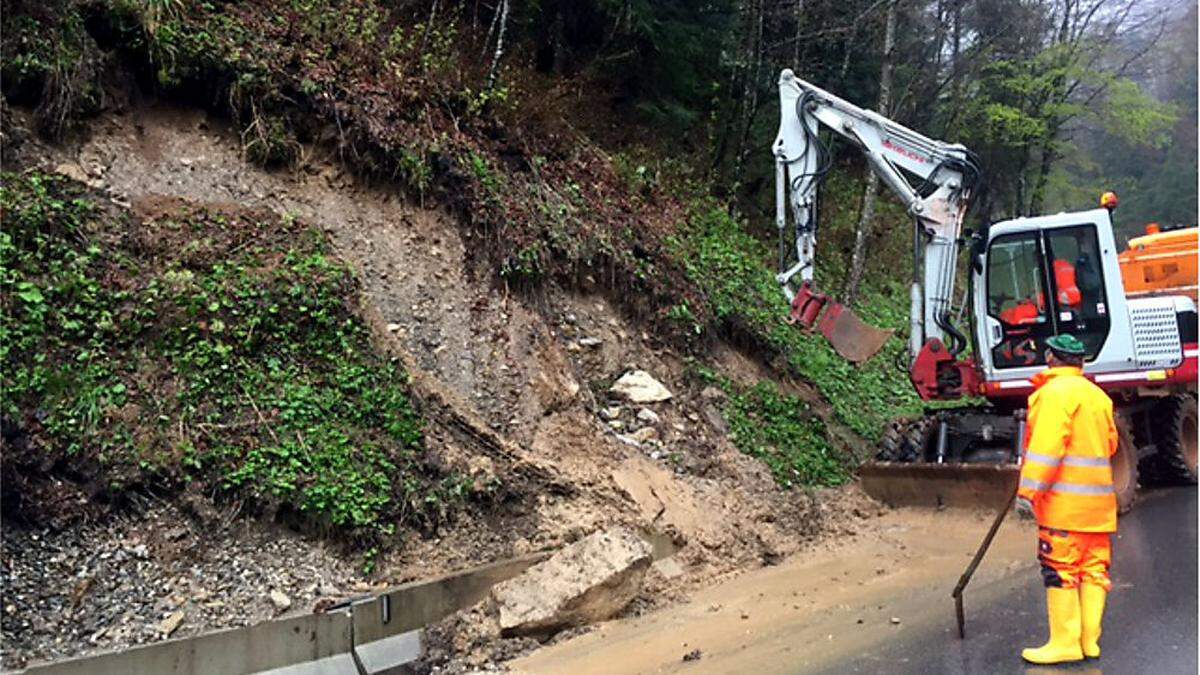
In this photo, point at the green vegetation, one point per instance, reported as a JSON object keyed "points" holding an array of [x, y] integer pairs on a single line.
{"points": [[783, 432], [731, 267], [590, 159], [218, 347], [48, 60]]}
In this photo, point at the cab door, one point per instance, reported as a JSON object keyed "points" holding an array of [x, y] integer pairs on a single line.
{"points": [[1019, 318], [1081, 301]]}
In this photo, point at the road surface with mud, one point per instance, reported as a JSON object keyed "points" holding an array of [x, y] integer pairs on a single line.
{"points": [[1150, 625], [880, 602]]}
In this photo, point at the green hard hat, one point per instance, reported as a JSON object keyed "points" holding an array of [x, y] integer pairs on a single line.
{"points": [[1066, 344]]}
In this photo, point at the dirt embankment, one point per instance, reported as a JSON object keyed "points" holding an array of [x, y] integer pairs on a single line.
{"points": [[515, 389]]}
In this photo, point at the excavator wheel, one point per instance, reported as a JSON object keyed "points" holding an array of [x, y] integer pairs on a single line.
{"points": [[1173, 430], [1125, 466], [906, 440]]}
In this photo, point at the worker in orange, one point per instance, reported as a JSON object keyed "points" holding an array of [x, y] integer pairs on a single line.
{"points": [[1067, 485]]}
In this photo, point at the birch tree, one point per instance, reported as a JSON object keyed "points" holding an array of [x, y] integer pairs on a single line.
{"points": [[871, 192]]}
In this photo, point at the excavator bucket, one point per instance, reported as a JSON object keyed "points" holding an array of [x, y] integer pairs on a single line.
{"points": [[850, 336], [986, 486]]}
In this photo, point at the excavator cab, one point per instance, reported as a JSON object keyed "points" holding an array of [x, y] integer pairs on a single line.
{"points": [[1040, 281], [1044, 276]]}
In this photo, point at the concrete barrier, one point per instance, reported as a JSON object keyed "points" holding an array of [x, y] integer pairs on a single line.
{"points": [[375, 635]]}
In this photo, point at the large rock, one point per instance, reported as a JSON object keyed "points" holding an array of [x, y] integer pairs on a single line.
{"points": [[590, 580], [638, 386]]}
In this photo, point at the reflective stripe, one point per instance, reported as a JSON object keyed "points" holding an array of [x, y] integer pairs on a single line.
{"points": [[1085, 461], [1030, 484], [1068, 460], [1076, 489], [1044, 459], [1071, 488]]}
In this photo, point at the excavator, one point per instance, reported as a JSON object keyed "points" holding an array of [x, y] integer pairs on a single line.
{"points": [[1026, 279]]}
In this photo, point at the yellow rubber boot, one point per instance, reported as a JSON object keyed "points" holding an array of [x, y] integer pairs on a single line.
{"points": [[1091, 611], [1062, 605]]}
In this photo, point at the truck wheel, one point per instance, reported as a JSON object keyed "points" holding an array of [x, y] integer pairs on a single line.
{"points": [[1125, 467], [1173, 423]]}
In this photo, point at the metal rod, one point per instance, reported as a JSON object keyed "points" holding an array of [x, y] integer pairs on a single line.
{"points": [[970, 571], [942, 438]]}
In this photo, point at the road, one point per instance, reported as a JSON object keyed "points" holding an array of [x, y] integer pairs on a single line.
{"points": [[879, 603], [1149, 627]]}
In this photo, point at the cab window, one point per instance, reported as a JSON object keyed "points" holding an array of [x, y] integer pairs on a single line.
{"points": [[1016, 296], [1081, 305]]}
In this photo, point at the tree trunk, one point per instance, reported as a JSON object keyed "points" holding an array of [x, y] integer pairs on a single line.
{"points": [[496, 56], [872, 191], [737, 79], [1049, 155], [1018, 207], [956, 74], [429, 24], [795, 65], [559, 36], [750, 90]]}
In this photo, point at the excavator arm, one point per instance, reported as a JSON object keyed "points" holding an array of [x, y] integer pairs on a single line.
{"points": [[934, 180]]}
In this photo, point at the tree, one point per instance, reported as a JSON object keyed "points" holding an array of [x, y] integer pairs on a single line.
{"points": [[872, 190]]}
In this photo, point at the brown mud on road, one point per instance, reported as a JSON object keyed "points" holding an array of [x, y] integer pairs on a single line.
{"points": [[813, 610]]}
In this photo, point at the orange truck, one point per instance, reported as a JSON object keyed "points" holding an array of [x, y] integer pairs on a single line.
{"points": [[1161, 263]]}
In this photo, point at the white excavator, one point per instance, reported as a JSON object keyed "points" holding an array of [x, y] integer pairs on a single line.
{"points": [[1027, 280]]}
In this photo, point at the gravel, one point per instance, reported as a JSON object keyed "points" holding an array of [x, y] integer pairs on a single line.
{"points": [[139, 577]]}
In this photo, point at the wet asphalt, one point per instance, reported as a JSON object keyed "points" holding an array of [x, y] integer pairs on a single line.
{"points": [[1150, 624]]}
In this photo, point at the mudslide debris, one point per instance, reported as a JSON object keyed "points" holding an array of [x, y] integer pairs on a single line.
{"points": [[588, 581]]}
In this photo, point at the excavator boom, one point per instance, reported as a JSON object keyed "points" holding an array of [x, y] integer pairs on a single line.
{"points": [[946, 175]]}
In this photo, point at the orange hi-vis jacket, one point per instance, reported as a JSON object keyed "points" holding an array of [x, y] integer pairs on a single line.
{"points": [[1070, 441]]}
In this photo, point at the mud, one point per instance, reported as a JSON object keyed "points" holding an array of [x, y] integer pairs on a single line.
{"points": [[834, 601]]}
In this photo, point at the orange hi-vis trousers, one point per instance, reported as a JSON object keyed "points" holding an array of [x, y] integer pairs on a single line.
{"points": [[1072, 558]]}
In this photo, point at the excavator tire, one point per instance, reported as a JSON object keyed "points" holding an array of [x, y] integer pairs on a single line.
{"points": [[1173, 430], [1125, 466], [906, 440]]}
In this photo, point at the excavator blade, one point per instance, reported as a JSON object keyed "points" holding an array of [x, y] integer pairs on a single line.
{"points": [[986, 486], [850, 336]]}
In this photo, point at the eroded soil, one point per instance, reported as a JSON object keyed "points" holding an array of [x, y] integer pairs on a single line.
{"points": [[515, 388], [837, 600]]}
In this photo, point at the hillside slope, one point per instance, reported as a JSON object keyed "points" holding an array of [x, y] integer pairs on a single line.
{"points": [[336, 290]]}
